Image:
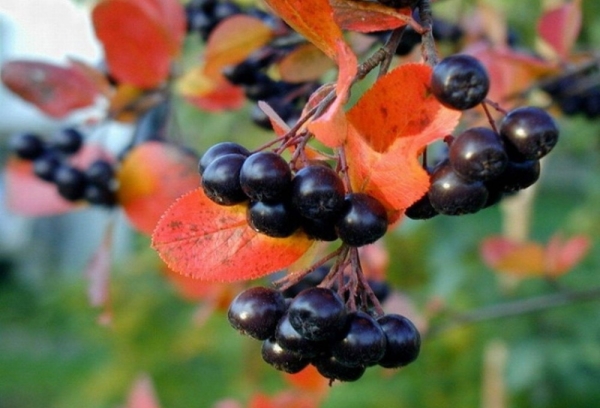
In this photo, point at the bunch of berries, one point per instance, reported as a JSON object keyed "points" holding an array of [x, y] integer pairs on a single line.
{"points": [[576, 93], [482, 164], [316, 327], [279, 202], [95, 184]]}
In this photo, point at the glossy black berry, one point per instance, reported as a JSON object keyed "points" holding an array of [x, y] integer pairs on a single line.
{"points": [[318, 314], [460, 82], [27, 146], [516, 176], [363, 220], [289, 338], [218, 150], [273, 219], [478, 154], [320, 230], [329, 367], [68, 140], [531, 131], [450, 194], [266, 176], [403, 341], [256, 311], [46, 165], [421, 209], [221, 180], [101, 173], [318, 193], [99, 195], [364, 343], [282, 359], [70, 182]]}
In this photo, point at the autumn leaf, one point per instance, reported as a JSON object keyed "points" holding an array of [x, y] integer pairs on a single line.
{"points": [[366, 17], [211, 93], [563, 255], [140, 38], [152, 176], [55, 90], [388, 129], [559, 27], [201, 239], [305, 63]]}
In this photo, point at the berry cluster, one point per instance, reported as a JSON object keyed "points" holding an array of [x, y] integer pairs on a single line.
{"points": [[576, 93], [95, 184], [315, 327], [279, 203]]}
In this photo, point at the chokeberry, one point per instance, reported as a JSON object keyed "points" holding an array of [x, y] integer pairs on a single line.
{"points": [[99, 195], [46, 165], [531, 131], [421, 209], [256, 312], [70, 182], [364, 343], [273, 219], [516, 176], [403, 341], [27, 146], [363, 221], [221, 180], [478, 154], [100, 173], [266, 176], [318, 314], [218, 150], [460, 82], [330, 367], [281, 358], [67, 140], [289, 338], [318, 192], [320, 230], [450, 194]]}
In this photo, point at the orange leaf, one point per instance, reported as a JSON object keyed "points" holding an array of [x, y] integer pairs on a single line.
{"points": [[139, 41], [305, 63], [54, 89], [204, 240], [210, 93], [517, 258], [152, 176], [562, 256], [233, 40], [388, 129], [560, 26], [367, 17], [308, 381]]}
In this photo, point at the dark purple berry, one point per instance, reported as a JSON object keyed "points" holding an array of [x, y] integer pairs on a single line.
{"points": [[221, 180], [450, 194], [531, 131], [256, 311], [319, 230], [363, 220], [403, 341], [282, 359], [318, 193], [266, 176], [99, 195], [27, 146], [70, 182], [421, 209], [289, 338], [318, 314], [273, 219], [329, 367], [517, 176], [218, 150], [478, 154], [68, 140], [364, 343], [460, 82], [101, 173], [46, 165]]}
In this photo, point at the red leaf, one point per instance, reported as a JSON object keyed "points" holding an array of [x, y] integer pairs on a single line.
{"points": [[388, 129], [308, 381], [367, 17], [210, 94], [204, 240], [140, 38], [28, 195], [152, 176], [53, 89], [562, 256], [560, 26]]}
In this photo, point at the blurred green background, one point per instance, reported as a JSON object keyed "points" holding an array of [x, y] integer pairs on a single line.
{"points": [[54, 353]]}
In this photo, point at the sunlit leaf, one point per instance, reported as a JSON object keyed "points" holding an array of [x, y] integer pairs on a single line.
{"points": [[304, 63], [56, 90], [388, 129], [204, 240], [367, 17], [152, 176], [233, 40], [211, 93], [559, 27]]}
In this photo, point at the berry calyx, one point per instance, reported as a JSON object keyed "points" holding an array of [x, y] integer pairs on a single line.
{"points": [[460, 82], [363, 221]]}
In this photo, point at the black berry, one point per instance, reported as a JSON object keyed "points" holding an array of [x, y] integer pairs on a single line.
{"points": [[478, 154], [221, 180], [68, 140], [450, 194], [363, 221], [329, 367], [364, 343], [218, 150], [516, 176], [71, 182], [460, 82], [531, 131], [318, 192], [256, 312], [318, 314], [46, 165], [273, 219], [100, 173], [27, 146], [266, 176], [403, 341], [282, 359]]}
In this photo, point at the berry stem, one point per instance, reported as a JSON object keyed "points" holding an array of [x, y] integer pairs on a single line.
{"points": [[489, 116], [362, 285], [390, 48], [428, 50], [293, 278]]}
